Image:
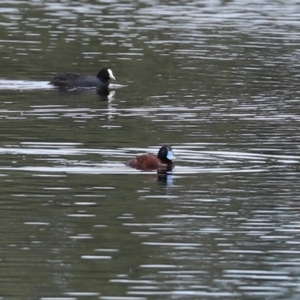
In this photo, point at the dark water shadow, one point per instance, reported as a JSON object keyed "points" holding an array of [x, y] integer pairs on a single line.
{"points": [[165, 179], [104, 94]]}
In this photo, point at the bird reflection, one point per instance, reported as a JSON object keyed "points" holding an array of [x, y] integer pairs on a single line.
{"points": [[104, 98], [165, 178], [104, 94]]}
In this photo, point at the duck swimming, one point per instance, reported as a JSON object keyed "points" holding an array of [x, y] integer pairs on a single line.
{"points": [[147, 162]]}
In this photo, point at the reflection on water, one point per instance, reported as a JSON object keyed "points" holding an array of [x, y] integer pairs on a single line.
{"points": [[216, 79]]}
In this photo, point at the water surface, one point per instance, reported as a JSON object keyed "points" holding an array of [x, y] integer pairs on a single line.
{"points": [[216, 79]]}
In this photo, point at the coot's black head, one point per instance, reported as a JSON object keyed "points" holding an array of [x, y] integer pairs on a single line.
{"points": [[165, 153], [105, 74]]}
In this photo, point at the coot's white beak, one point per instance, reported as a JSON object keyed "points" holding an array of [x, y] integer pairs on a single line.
{"points": [[111, 75]]}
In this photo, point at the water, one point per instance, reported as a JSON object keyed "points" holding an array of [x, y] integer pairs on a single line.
{"points": [[216, 79]]}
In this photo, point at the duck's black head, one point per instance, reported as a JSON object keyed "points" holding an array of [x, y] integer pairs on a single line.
{"points": [[165, 153], [105, 74]]}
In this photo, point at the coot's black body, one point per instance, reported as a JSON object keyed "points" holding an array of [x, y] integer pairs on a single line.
{"points": [[70, 80]]}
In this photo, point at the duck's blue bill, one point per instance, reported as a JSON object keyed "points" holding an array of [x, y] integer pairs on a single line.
{"points": [[170, 155]]}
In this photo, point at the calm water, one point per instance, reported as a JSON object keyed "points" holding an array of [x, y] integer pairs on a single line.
{"points": [[219, 80]]}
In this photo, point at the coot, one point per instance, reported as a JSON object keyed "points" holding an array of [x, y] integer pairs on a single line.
{"points": [[78, 80]]}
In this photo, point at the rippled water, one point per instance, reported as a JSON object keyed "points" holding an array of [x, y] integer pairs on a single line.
{"points": [[216, 79]]}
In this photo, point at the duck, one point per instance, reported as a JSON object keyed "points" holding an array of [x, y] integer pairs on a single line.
{"points": [[70, 80], [163, 162]]}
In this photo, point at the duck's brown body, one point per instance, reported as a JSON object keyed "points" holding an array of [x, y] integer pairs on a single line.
{"points": [[149, 162]]}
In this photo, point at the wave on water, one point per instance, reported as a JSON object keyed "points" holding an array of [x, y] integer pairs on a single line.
{"points": [[20, 85]]}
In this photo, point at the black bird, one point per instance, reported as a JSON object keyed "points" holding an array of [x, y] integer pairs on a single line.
{"points": [[71, 80]]}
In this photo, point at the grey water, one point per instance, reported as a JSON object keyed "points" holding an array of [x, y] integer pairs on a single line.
{"points": [[219, 81]]}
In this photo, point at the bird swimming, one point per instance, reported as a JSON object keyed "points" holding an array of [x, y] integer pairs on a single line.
{"points": [[147, 162], [71, 80]]}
